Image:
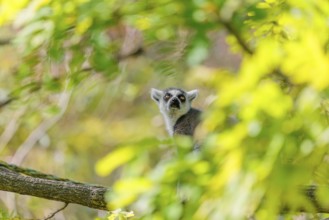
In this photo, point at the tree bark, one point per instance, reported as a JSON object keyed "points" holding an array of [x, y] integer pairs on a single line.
{"points": [[30, 182]]}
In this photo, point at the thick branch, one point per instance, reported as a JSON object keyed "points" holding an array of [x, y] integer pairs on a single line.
{"points": [[33, 183]]}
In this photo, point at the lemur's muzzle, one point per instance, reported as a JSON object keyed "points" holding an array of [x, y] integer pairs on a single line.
{"points": [[174, 103]]}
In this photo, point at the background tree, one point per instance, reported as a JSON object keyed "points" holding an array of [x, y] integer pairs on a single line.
{"points": [[75, 81]]}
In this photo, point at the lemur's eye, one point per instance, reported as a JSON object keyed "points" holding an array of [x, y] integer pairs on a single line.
{"points": [[182, 98], [167, 97]]}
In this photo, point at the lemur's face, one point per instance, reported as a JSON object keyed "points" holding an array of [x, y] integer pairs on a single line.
{"points": [[174, 101]]}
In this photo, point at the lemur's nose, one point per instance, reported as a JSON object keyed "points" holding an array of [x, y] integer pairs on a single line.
{"points": [[174, 103]]}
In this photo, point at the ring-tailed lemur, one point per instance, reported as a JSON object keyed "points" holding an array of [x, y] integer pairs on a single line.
{"points": [[179, 116], [175, 106]]}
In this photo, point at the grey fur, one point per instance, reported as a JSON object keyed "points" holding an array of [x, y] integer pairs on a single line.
{"points": [[179, 116]]}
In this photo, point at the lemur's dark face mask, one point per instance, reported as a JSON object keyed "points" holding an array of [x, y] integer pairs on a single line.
{"points": [[174, 101]]}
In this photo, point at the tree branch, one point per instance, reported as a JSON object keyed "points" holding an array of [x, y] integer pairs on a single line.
{"points": [[285, 81], [30, 182], [229, 27]]}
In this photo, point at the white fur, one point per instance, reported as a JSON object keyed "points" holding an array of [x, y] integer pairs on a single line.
{"points": [[192, 94], [171, 119]]}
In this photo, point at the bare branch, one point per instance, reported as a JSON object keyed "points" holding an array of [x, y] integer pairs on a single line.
{"points": [[30, 182]]}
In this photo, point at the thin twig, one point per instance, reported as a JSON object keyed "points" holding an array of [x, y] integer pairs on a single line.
{"points": [[14, 94], [229, 27], [5, 42], [57, 211], [6, 102]]}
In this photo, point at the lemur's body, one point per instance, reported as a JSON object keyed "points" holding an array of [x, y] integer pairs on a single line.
{"points": [[179, 116], [187, 123], [175, 106]]}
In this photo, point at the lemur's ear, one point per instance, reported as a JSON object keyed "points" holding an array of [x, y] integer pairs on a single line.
{"points": [[192, 94], [156, 94]]}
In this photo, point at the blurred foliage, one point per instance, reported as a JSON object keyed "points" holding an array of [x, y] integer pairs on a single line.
{"points": [[74, 94], [118, 215], [5, 216]]}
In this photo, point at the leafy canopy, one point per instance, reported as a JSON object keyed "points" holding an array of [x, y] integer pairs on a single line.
{"points": [[255, 165]]}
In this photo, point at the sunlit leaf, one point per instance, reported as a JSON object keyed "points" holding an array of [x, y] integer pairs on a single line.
{"points": [[115, 159]]}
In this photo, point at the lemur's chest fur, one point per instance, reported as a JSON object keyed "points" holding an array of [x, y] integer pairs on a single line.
{"points": [[183, 124]]}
